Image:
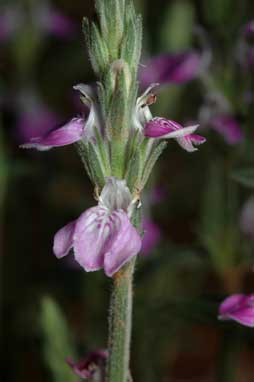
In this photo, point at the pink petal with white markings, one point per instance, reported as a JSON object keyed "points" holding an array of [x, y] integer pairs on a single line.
{"points": [[63, 240]]}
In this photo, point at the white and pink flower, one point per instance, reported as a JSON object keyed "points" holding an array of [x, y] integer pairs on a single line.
{"points": [[166, 129], [103, 236], [73, 131]]}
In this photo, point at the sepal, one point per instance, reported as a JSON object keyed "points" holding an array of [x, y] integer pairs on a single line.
{"points": [[115, 195], [132, 41], [134, 171], [96, 165], [154, 155]]}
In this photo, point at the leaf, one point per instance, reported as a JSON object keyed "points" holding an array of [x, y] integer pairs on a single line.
{"points": [[57, 344], [244, 176], [218, 230]]}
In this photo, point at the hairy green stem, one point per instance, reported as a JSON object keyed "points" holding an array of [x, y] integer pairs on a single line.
{"points": [[120, 317]]}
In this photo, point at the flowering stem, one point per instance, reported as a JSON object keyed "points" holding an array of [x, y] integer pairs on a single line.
{"points": [[114, 46], [120, 325]]}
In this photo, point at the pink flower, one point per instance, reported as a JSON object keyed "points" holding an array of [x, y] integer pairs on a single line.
{"points": [[93, 363], [169, 68], [239, 308], [157, 127], [71, 132], [103, 236], [166, 129], [74, 130]]}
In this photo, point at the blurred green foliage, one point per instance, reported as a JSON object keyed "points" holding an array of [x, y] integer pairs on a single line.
{"points": [[57, 343]]}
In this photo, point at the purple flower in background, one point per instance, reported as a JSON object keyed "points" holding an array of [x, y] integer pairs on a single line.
{"points": [[166, 129], [31, 124], [34, 118], [228, 127], [152, 232], [53, 21], [238, 307], [248, 29], [73, 131], [103, 236], [245, 48], [152, 235], [169, 68], [247, 218], [45, 18], [93, 363], [216, 113]]}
